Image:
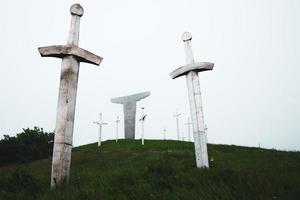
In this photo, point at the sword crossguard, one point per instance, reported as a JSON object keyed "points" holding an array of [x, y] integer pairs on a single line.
{"points": [[61, 51]]}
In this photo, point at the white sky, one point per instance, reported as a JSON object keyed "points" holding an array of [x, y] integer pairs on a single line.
{"points": [[250, 98]]}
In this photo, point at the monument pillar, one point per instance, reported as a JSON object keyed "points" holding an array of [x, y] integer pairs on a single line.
{"points": [[129, 108]]}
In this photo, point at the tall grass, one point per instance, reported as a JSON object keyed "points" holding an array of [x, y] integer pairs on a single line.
{"points": [[160, 170]]}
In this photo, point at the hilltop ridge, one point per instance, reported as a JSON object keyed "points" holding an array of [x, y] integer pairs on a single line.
{"points": [[161, 169]]}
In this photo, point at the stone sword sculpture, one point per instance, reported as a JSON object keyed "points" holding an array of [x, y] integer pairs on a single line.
{"points": [[71, 56], [129, 105], [164, 132], [117, 128], [177, 123], [190, 70], [142, 120], [100, 123]]}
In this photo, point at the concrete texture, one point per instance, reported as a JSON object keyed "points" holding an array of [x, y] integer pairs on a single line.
{"points": [[71, 57], [129, 108], [191, 70], [188, 123]]}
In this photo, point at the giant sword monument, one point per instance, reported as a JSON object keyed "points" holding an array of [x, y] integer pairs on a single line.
{"points": [[190, 70], [71, 56]]}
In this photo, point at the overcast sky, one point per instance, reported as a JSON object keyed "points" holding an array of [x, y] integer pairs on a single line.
{"points": [[251, 97]]}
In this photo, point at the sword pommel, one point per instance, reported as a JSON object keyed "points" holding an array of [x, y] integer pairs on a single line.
{"points": [[76, 9], [186, 36]]}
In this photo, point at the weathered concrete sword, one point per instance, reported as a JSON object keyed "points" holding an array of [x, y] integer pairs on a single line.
{"points": [[191, 70], [71, 56]]}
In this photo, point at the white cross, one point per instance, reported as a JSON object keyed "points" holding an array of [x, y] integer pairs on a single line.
{"points": [[100, 123], [177, 122]]}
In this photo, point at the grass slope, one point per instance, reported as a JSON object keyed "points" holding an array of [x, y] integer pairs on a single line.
{"points": [[160, 170]]}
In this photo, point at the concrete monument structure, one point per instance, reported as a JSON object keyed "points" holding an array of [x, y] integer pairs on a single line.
{"points": [[190, 70], [100, 123], [182, 137], [164, 132], [177, 124], [71, 56], [117, 128], [142, 119], [129, 106], [188, 123]]}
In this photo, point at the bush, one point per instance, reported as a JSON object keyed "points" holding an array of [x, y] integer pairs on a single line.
{"points": [[31, 144], [21, 181]]}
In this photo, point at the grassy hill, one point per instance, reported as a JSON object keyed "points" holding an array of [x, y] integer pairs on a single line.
{"points": [[160, 170]]}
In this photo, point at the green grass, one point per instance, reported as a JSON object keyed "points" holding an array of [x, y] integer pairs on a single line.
{"points": [[160, 170]]}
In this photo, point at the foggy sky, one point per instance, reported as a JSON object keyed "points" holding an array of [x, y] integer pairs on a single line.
{"points": [[250, 98]]}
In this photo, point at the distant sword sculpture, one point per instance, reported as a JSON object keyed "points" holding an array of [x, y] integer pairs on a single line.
{"points": [[164, 132], [100, 124], [142, 119], [117, 128], [190, 70], [177, 124], [71, 56], [129, 106], [182, 137]]}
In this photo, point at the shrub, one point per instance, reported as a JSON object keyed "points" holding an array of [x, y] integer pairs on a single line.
{"points": [[31, 144]]}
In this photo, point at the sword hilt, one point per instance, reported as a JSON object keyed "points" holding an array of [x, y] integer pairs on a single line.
{"points": [[187, 38], [76, 12]]}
